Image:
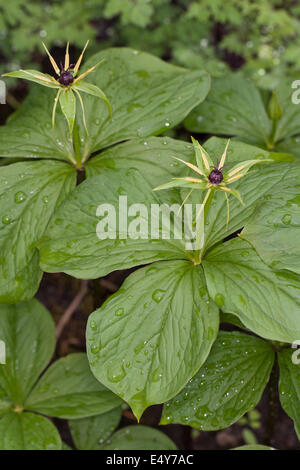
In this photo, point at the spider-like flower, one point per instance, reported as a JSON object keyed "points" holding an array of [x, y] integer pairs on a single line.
{"points": [[67, 84], [211, 178]]}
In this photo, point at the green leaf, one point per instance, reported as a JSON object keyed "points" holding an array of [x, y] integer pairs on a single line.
{"points": [[93, 90], [237, 151], [29, 194], [231, 319], [283, 156], [77, 245], [288, 124], [6, 403], [240, 151], [69, 390], [90, 433], [153, 157], [199, 152], [289, 384], [244, 167], [67, 102], [229, 384], [248, 435], [147, 95], [139, 438], [137, 12], [28, 132], [234, 107], [28, 431], [262, 181], [266, 302], [237, 195], [274, 108], [29, 335], [290, 145], [86, 256], [65, 446], [181, 183], [253, 447], [274, 228], [140, 344], [34, 76]]}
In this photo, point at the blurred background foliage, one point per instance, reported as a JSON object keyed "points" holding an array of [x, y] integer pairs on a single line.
{"points": [[259, 37]]}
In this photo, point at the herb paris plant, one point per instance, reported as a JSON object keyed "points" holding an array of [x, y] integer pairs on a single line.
{"points": [[139, 343], [235, 107], [212, 178], [157, 339], [66, 84], [66, 390], [147, 96]]}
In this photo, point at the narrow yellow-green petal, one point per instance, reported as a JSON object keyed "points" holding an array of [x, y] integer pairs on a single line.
{"points": [[54, 106], [190, 165], [80, 59], [223, 158], [67, 57], [54, 64], [245, 166], [84, 74]]}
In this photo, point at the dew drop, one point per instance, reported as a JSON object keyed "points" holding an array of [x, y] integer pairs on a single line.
{"points": [[121, 191], [157, 295], [6, 219], [156, 376], [95, 348], [219, 299], [286, 219], [116, 376], [93, 325], [20, 197], [119, 312]]}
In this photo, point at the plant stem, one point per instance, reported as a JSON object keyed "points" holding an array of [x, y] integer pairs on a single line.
{"points": [[12, 101], [128, 414], [76, 143], [271, 140], [71, 309], [272, 395]]}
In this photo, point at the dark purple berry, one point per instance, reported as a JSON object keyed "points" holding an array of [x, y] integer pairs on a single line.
{"points": [[215, 176], [65, 78]]}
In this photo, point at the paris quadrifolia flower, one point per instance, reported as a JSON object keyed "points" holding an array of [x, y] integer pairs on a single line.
{"points": [[210, 177], [68, 86]]}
